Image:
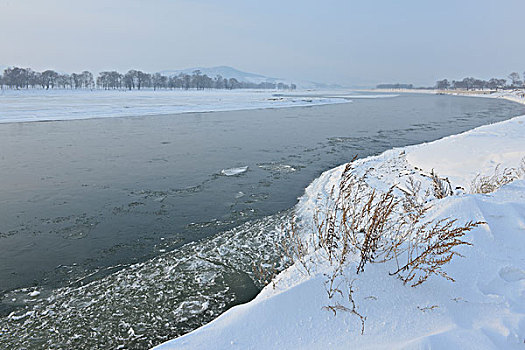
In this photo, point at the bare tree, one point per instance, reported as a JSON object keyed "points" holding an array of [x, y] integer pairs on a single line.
{"points": [[129, 79], [87, 80], [515, 79], [63, 81], [159, 81], [49, 78], [186, 81], [442, 84], [495, 83], [109, 80], [142, 79]]}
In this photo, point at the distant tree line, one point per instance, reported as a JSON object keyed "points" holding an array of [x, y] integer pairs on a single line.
{"points": [[479, 84], [514, 82], [26, 78]]}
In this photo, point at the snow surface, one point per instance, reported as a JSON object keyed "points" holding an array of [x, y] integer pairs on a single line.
{"points": [[483, 309], [45, 105], [462, 157]]}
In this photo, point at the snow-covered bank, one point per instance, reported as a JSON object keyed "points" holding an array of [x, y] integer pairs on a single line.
{"points": [[516, 95], [42, 105], [483, 309]]}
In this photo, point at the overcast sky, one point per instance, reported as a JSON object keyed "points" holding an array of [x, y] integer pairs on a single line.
{"points": [[342, 41]]}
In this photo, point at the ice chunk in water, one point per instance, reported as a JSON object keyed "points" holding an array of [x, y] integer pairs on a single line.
{"points": [[234, 171]]}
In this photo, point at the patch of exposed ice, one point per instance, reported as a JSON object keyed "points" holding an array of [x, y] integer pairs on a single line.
{"points": [[277, 167], [234, 171], [13, 316]]}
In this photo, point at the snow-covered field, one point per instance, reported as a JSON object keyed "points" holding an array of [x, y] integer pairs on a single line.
{"points": [[483, 309], [42, 105]]}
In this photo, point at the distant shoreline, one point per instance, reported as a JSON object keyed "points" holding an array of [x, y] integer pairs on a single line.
{"points": [[515, 95]]}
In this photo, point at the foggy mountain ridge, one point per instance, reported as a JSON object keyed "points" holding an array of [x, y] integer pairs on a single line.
{"points": [[230, 72]]}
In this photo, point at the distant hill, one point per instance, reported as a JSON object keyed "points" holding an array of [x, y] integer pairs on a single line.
{"points": [[230, 72], [227, 72]]}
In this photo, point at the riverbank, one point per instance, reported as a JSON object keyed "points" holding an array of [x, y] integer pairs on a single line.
{"points": [[482, 309]]}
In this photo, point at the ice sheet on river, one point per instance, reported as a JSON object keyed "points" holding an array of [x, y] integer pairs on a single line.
{"points": [[43, 105]]}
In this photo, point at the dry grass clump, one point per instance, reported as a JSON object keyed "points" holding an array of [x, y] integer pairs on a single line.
{"points": [[440, 186], [490, 183], [432, 249], [359, 225], [265, 273], [293, 248], [378, 227], [422, 247]]}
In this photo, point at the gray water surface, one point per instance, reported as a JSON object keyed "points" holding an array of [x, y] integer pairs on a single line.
{"points": [[81, 201]]}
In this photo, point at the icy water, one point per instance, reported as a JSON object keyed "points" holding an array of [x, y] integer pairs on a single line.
{"points": [[127, 232]]}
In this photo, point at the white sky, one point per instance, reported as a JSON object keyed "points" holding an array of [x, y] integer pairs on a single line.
{"points": [[347, 42]]}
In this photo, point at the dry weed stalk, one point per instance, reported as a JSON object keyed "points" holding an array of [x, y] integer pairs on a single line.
{"points": [[293, 247], [265, 274], [354, 220], [352, 225], [432, 249], [490, 183], [410, 222], [414, 204], [440, 186], [425, 246], [353, 309], [377, 223], [340, 307]]}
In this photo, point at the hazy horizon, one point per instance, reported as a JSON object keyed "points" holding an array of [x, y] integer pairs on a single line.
{"points": [[343, 42]]}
